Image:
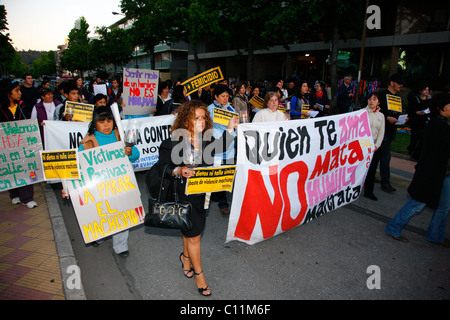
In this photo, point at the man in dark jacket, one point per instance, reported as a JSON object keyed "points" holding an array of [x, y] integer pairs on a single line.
{"points": [[345, 95], [29, 94], [430, 185], [391, 118]]}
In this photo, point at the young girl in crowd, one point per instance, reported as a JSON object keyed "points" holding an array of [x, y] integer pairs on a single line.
{"points": [[103, 130]]}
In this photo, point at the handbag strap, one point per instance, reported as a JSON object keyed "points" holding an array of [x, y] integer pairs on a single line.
{"points": [[161, 186]]}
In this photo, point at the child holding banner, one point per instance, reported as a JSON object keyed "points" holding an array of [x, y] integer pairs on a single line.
{"points": [[103, 130], [11, 110], [193, 120], [71, 94]]}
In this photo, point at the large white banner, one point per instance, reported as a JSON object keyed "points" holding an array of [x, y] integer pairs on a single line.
{"points": [[291, 172], [65, 135], [106, 199]]}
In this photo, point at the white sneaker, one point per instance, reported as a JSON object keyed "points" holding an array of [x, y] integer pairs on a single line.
{"points": [[15, 200], [31, 204]]}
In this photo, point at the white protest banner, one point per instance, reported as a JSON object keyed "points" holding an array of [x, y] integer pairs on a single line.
{"points": [[140, 91], [20, 161], [64, 135], [106, 199], [291, 172]]}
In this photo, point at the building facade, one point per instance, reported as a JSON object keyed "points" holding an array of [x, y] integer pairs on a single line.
{"points": [[414, 39]]}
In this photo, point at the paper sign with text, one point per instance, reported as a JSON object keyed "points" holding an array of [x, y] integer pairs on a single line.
{"points": [[394, 103], [80, 111], [20, 161], [106, 199], [202, 80], [140, 91], [63, 135], [62, 164], [223, 116], [292, 172], [211, 180], [305, 110], [257, 101]]}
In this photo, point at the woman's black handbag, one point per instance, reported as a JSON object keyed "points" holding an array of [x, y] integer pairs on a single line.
{"points": [[168, 214]]}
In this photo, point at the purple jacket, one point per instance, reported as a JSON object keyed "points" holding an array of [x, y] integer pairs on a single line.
{"points": [[42, 115]]}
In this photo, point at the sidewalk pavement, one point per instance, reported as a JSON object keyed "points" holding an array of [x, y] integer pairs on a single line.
{"points": [[35, 250]]}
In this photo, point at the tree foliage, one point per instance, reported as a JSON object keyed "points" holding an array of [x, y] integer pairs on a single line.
{"points": [[8, 55], [111, 47], [76, 56], [45, 65]]}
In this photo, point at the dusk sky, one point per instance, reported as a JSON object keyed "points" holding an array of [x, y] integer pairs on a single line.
{"points": [[44, 24]]}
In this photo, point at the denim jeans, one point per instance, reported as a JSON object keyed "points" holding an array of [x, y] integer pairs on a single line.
{"points": [[120, 241], [436, 229]]}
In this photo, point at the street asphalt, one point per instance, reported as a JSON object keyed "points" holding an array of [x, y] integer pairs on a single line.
{"points": [[342, 255]]}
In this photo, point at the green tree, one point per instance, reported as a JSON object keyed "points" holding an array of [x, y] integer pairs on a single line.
{"points": [[151, 25], [253, 21], [193, 21], [112, 47], [76, 56], [45, 65], [7, 52]]}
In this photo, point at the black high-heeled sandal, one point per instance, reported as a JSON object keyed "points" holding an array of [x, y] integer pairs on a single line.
{"points": [[186, 272], [201, 290]]}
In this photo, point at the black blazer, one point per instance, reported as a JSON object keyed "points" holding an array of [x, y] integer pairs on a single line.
{"points": [[432, 167]]}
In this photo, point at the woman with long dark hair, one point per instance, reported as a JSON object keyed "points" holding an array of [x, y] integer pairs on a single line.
{"points": [[11, 109], [301, 97]]}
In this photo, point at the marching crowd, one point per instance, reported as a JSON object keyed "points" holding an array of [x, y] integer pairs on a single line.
{"points": [[429, 119]]}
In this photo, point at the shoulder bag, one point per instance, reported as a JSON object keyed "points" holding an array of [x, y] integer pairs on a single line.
{"points": [[168, 214]]}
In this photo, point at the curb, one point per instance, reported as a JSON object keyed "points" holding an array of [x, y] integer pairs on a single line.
{"points": [[63, 246]]}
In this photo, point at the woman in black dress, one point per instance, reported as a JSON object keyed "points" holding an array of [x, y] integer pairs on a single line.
{"points": [[190, 133]]}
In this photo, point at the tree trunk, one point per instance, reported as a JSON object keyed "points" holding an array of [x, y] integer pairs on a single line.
{"points": [[152, 58], [197, 61], [334, 61], [250, 60]]}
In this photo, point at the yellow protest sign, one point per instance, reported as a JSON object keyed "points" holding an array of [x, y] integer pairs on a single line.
{"points": [[211, 180], [202, 80], [394, 103], [257, 101], [80, 111], [282, 108], [223, 116], [305, 110], [61, 164]]}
